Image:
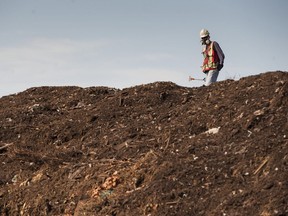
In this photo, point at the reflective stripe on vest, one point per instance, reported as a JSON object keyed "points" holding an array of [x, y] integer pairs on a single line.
{"points": [[211, 59]]}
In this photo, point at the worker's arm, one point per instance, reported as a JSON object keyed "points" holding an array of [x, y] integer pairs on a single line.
{"points": [[219, 53]]}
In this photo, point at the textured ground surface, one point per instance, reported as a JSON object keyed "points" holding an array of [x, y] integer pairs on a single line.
{"points": [[155, 149]]}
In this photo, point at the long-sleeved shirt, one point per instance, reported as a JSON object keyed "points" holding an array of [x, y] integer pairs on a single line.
{"points": [[219, 51]]}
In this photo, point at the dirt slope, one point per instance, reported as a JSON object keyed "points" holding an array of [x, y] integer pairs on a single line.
{"points": [[155, 149]]}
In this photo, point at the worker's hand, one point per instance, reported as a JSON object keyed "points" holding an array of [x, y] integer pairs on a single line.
{"points": [[219, 67]]}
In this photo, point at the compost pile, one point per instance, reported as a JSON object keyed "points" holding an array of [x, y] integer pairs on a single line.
{"points": [[154, 149]]}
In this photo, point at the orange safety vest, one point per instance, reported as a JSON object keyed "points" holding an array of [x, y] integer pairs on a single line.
{"points": [[211, 59]]}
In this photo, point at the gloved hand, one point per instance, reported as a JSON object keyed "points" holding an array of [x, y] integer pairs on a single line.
{"points": [[219, 67]]}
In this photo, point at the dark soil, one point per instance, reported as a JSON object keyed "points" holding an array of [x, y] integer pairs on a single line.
{"points": [[155, 149]]}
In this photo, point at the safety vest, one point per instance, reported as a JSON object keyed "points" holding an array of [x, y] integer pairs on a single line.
{"points": [[211, 59]]}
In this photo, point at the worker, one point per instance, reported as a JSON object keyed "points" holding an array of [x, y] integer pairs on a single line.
{"points": [[213, 57]]}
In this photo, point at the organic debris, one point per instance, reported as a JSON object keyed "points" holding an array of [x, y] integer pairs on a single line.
{"points": [[154, 149]]}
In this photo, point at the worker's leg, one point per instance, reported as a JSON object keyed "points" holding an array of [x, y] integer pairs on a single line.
{"points": [[211, 77]]}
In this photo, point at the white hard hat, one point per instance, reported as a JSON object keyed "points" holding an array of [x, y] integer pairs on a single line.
{"points": [[204, 33]]}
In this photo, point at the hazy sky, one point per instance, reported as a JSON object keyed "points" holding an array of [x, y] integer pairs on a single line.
{"points": [[123, 43]]}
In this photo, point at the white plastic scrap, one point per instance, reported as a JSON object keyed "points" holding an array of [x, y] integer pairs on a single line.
{"points": [[213, 130]]}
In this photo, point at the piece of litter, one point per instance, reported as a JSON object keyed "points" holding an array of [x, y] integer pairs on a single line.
{"points": [[213, 130]]}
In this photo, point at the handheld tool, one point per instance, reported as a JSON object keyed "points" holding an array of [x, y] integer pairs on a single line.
{"points": [[192, 78]]}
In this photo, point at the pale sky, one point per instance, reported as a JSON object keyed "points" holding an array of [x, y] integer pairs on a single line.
{"points": [[124, 43]]}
